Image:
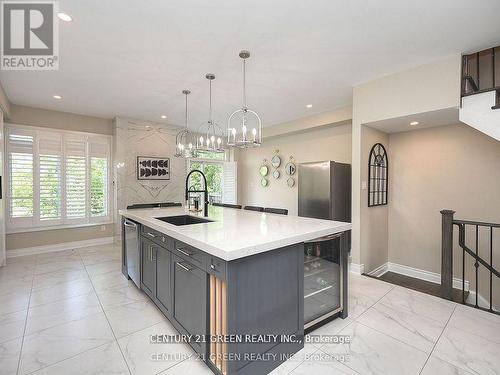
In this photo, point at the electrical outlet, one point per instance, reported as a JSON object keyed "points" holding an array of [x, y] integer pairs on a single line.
{"points": [[103, 228]]}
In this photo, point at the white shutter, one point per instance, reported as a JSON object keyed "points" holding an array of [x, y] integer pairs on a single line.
{"points": [[99, 150], [21, 168], [76, 179], [230, 187], [50, 177]]}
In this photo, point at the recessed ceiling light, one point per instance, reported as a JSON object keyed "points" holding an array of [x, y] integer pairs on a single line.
{"points": [[163, 116], [414, 123], [57, 97], [64, 17], [309, 106]]}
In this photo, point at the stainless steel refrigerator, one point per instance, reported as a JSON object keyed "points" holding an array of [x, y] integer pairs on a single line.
{"points": [[325, 193]]}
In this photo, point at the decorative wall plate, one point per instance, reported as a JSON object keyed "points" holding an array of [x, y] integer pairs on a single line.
{"points": [[290, 169], [264, 170], [290, 182], [276, 174], [264, 182], [276, 161]]}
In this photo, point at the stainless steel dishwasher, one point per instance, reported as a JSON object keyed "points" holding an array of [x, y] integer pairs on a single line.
{"points": [[132, 251]]}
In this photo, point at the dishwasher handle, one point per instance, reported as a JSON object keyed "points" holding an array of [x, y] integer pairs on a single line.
{"points": [[129, 224]]}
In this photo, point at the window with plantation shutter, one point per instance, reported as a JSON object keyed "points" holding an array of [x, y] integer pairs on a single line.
{"points": [[76, 179], [57, 178], [20, 175], [50, 181]]}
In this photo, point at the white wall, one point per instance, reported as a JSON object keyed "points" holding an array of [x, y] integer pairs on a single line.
{"points": [[451, 167], [325, 143], [142, 138], [425, 88], [374, 220]]}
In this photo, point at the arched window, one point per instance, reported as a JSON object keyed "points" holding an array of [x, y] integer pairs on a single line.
{"points": [[378, 175]]}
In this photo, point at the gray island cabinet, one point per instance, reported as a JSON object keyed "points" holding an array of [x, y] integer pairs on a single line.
{"points": [[243, 312]]}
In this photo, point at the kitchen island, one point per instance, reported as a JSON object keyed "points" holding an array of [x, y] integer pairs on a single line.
{"points": [[234, 283]]}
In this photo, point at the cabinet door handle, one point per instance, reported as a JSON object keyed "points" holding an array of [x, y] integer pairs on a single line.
{"points": [[150, 253], [187, 269], [129, 224], [182, 251], [151, 235]]}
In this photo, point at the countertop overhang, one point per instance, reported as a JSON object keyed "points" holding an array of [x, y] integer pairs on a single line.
{"points": [[234, 233]]}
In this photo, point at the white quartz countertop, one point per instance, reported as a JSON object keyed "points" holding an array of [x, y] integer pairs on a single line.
{"points": [[235, 233]]}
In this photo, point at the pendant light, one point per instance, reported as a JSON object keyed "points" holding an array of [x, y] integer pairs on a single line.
{"points": [[210, 134], [244, 126], [184, 141]]}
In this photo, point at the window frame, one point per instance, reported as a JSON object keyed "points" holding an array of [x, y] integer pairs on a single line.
{"points": [[34, 223]]}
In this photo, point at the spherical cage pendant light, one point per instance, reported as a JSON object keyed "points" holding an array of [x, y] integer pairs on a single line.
{"points": [[247, 132], [210, 135], [185, 140]]}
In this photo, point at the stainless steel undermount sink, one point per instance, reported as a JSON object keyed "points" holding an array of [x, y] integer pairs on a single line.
{"points": [[183, 220]]}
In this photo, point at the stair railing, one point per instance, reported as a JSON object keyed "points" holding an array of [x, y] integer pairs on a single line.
{"points": [[447, 223]]}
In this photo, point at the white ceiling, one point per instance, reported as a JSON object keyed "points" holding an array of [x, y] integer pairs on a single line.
{"points": [[442, 117], [133, 58]]}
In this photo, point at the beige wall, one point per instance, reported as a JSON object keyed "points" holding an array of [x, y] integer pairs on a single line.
{"points": [[325, 143], [66, 121], [450, 167], [421, 89], [56, 236], [374, 220], [59, 120]]}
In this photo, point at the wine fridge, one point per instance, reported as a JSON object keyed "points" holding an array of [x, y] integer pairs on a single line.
{"points": [[325, 193]]}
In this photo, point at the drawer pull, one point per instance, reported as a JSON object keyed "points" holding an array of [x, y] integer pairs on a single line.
{"points": [[182, 251], [212, 266], [151, 235], [184, 267]]}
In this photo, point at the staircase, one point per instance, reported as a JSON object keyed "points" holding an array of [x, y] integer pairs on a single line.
{"points": [[480, 94]]}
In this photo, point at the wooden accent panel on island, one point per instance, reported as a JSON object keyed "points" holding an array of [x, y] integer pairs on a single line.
{"points": [[218, 323]]}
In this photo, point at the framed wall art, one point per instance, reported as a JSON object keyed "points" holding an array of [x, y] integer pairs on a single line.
{"points": [[153, 168]]}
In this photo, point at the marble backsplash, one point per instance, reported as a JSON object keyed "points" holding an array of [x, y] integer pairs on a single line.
{"points": [[143, 138]]}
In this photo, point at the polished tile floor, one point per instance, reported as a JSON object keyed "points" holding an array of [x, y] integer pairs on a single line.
{"points": [[72, 312]]}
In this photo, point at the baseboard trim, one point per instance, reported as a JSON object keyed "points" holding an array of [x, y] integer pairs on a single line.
{"points": [[358, 269], [58, 247], [481, 301], [401, 269]]}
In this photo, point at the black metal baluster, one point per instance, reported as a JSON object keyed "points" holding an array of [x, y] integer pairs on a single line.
{"points": [[491, 265], [462, 233], [476, 264]]}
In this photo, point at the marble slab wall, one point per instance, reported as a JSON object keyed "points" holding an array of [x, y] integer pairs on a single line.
{"points": [[134, 138]]}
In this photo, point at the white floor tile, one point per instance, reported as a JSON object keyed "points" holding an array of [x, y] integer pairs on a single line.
{"points": [[419, 303], [9, 356], [368, 286], [56, 313], [192, 366], [103, 360], [100, 257], [144, 357], [110, 280], [358, 304], [17, 300], [371, 352], [58, 343], [52, 279], [289, 365], [61, 291], [104, 268], [133, 317], [330, 329], [481, 323], [322, 364], [413, 329], [58, 256], [12, 325], [436, 366], [120, 296], [59, 266], [468, 351]]}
